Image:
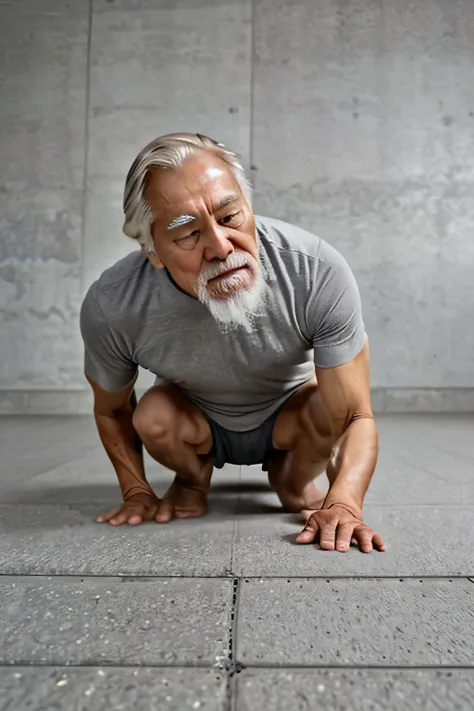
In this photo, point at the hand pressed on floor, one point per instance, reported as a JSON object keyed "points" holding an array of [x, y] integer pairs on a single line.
{"points": [[137, 509], [335, 528]]}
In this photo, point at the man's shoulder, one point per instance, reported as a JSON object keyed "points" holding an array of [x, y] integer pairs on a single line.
{"points": [[122, 271], [121, 287], [293, 243]]}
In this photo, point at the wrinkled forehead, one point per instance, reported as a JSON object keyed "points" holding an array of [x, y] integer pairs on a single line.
{"points": [[200, 179]]}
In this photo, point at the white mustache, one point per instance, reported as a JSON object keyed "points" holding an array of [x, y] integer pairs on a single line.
{"points": [[233, 261]]}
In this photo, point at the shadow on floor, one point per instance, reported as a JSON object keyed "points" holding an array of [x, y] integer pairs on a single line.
{"points": [[224, 499]]}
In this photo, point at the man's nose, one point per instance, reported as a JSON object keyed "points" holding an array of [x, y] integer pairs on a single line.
{"points": [[218, 246]]}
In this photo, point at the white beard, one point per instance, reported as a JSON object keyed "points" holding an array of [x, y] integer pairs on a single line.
{"points": [[245, 295]]}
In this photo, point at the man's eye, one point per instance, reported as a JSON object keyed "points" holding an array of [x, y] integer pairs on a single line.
{"points": [[234, 220], [189, 241]]}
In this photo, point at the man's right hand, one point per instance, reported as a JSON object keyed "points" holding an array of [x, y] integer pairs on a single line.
{"points": [[139, 508]]}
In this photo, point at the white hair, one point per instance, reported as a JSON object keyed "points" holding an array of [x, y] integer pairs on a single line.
{"points": [[169, 151]]}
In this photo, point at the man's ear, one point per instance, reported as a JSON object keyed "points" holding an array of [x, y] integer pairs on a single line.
{"points": [[153, 257]]}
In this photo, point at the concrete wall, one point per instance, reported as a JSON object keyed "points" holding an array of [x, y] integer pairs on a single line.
{"points": [[355, 118]]}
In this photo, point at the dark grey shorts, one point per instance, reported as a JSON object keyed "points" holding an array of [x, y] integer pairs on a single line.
{"points": [[244, 448]]}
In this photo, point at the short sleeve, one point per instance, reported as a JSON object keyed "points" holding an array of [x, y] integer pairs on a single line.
{"points": [[105, 359], [334, 311]]}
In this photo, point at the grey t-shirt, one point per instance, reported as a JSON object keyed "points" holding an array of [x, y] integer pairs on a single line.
{"points": [[134, 315]]}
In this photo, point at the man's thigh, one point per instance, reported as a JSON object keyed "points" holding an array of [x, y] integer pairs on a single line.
{"points": [[302, 417]]}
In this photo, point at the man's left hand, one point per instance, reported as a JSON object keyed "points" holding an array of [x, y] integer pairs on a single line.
{"points": [[336, 527]]}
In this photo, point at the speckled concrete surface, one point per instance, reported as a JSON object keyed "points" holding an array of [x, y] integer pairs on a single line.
{"points": [[227, 613]]}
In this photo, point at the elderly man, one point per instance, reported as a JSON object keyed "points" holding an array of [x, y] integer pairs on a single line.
{"points": [[253, 328]]}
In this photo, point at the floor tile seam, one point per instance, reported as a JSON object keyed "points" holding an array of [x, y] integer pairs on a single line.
{"points": [[111, 665], [241, 666], [232, 620], [74, 577], [233, 540], [113, 578], [357, 577], [232, 692], [256, 666]]}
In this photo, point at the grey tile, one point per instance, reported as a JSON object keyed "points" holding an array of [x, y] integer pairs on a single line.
{"points": [[84, 480], [91, 479], [97, 689], [360, 162], [43, 78], [65, 540], [423, 459], [21, 433], [329, 690], [12, 402], [34, 445], [346, 622], [419, 540], [105, 621]]}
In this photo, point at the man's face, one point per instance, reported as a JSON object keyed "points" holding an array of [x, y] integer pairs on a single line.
{"points": [[205, 236]]}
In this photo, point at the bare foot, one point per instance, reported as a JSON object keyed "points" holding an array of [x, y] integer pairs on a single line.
{"points": [[188, 501], [310, 498], [140, 507]]}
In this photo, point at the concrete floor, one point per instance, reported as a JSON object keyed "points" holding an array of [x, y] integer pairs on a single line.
{"points": [[227, 613]]}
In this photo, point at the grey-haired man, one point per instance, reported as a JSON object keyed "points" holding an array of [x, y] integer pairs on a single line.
{"points": [[253, 328]]}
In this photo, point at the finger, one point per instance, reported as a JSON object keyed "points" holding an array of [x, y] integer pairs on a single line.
{"points": [[107, 516], [165, 512], [378, 543], [121, 518], [327, 535], [309, 532], [364, 536], [134, 519], [344, 536]]}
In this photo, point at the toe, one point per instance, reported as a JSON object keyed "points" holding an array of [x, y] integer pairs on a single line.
{"points": [[165, 512], [191, 513]]}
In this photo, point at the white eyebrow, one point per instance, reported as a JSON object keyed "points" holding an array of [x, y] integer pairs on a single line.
{"points": [[179, 221]]}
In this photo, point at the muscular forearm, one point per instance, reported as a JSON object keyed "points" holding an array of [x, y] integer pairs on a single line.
{"points": [[124, 449], [352, 463]]}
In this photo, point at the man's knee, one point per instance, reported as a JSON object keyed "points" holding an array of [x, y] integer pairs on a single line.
{"points": [[156, 417], [164, 418]]}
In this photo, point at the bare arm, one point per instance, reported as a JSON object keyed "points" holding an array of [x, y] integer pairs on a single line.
{"points": [[346, 395], [113, 414]]}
